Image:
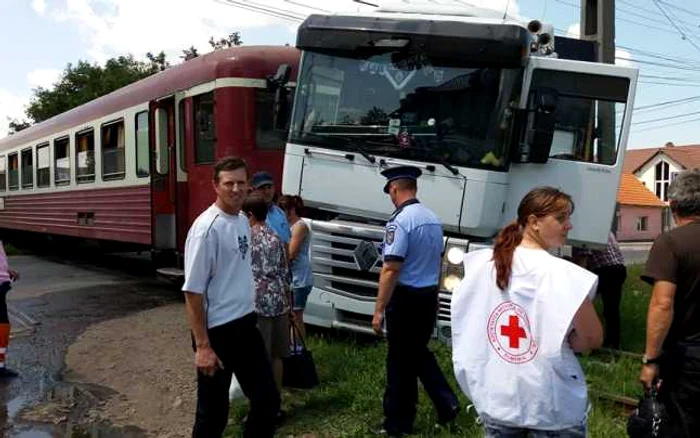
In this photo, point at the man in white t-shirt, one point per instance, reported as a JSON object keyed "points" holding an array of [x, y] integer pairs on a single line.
{"points": [[220, 297]]}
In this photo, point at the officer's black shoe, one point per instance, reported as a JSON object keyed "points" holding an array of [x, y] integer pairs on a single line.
{"points": [[6, 373]]}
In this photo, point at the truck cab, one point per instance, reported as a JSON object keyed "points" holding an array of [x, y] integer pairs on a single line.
{"points": [[486, 107]]}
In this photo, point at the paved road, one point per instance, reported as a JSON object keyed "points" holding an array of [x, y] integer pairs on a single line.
{"points": [[65, 296], [635, 252]]}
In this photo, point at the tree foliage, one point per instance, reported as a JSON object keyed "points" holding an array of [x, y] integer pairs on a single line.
{"points": [[82, 82]]}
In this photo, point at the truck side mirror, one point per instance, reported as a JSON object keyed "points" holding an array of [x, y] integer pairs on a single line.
{"points": [[280, 111], [542, 132]]}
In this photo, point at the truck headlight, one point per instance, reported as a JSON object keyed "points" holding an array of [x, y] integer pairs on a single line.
{"points": [[452, 268]]}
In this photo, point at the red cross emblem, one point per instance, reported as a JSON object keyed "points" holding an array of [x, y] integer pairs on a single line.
{"points": [[510, 335], [513, 331]]}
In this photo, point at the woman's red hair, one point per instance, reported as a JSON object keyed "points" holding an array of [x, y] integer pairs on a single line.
{"points": [[540, 202]]}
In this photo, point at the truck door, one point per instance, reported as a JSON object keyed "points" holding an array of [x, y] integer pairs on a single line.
{"points": [[162, 131], [592, 112]]}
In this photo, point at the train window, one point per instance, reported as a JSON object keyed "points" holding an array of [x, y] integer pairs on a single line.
{"points": [[13, 171], [162, 149], [85, 157], [113, 143], [3, 179], [43, 166], [27, 168], [142, 165], [266, 136], [61, 163], [205, 128]]}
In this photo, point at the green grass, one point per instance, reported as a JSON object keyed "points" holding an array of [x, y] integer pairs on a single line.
{"points": [[348, 403]]}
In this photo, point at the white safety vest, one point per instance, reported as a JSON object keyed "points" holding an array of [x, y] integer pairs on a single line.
{"points": [[510, 350]]}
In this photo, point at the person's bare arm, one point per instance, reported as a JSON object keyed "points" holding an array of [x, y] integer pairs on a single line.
{"points": [[659, 319], [206, 359], [299, 233], [588, 330], [387, 282]]}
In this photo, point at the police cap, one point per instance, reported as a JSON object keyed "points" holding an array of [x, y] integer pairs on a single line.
{"points": [[400, 172]]}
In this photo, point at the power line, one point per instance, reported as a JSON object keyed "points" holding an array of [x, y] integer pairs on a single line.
{"points": [[687, 11], [662, 119], [652, 128], [667, 103], [683, 35]]}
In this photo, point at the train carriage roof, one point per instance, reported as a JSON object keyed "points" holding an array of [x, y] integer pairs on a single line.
{"points": [[255, 62]]}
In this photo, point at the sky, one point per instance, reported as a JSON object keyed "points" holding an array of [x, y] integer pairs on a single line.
{"points": [[38, 38]]}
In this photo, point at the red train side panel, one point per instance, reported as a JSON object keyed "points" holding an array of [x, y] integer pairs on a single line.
{"points": [[118, 214]]}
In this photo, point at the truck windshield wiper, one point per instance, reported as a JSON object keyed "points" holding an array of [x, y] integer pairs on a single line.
{"points": [[449, 167], [351, 140]]}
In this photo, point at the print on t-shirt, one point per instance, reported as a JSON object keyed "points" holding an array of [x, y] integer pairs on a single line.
{"points": [[243, 245]]}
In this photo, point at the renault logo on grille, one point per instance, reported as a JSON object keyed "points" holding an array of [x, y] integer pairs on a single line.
{"points": [[366, 255]]}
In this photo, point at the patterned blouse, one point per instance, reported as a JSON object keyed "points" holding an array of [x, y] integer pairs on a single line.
{"points": [[270, 272]]}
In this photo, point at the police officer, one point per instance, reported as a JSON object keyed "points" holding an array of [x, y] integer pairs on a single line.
{"points": [[408, 299]]}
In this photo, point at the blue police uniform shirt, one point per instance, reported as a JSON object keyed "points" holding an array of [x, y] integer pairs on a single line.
{"points": [[277, 220], [413, 236]]}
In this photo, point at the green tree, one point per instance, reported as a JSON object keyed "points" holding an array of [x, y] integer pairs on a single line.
{"points": [[17, 125], [83, 82]]}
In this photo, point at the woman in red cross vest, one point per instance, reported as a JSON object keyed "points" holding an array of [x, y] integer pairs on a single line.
{"points": [[518, 317]]}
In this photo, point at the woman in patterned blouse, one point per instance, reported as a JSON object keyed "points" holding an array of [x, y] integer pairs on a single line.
{"points": [[272, 288]]}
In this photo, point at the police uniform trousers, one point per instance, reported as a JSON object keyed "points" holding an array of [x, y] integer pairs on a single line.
{"points": [[410, 321], [680, 388]]}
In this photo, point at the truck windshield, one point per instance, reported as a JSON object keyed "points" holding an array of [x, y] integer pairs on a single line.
{"points": [[406, 106]]}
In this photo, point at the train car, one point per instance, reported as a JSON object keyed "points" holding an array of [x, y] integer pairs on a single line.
{"points": [[134, 167]]}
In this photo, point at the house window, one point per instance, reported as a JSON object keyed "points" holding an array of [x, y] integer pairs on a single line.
{"points": [[13, 165], [3, 180], [662, 179], [205, 128], [85, 157], [27, 169], [61, 163], [142, 163], [643, 223], [113, 166], [43, 163]]}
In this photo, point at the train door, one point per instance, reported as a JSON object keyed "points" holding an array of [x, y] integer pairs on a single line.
{"points": [[162, 129]]}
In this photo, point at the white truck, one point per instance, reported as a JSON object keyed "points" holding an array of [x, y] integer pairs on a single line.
{"points": [[487, 107]]}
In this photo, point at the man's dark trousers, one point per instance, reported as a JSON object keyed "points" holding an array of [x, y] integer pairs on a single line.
{"points": [[240, 347], [680, 388], [610, 282], [410, 320]]}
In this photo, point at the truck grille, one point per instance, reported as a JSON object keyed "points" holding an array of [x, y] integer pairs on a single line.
{"points": [[332, 248], [335, 268]]}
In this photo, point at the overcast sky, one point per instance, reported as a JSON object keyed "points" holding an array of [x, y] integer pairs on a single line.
{"points": [[39, 37]]}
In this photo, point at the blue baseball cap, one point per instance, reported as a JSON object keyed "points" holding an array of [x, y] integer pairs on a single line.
{"points": [[261, 178], [400, 172]]}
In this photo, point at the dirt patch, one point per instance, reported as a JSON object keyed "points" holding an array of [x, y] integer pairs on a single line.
{"points": [[147, 359]]}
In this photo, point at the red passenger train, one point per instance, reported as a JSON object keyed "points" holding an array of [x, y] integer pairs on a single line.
{"points": [[135, 166]]}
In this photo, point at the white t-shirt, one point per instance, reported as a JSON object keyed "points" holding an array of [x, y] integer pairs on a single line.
{"points": [[511, 355], [217, 264]]}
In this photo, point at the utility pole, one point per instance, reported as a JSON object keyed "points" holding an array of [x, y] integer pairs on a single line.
{"points": [[598, 25]]}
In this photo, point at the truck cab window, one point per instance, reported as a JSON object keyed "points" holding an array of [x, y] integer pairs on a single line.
{"points": [[580, 131]]}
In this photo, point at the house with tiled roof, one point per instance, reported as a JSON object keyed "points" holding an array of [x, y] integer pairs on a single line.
{"points": [[641, 213], [657, 167], [654, 169]]}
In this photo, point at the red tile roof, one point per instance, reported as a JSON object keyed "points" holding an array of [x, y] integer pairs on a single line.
{"points": [[687, 156], [633, 192]]}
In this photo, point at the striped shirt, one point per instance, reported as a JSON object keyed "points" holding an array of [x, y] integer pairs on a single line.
{"points": [[595, 259]]}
